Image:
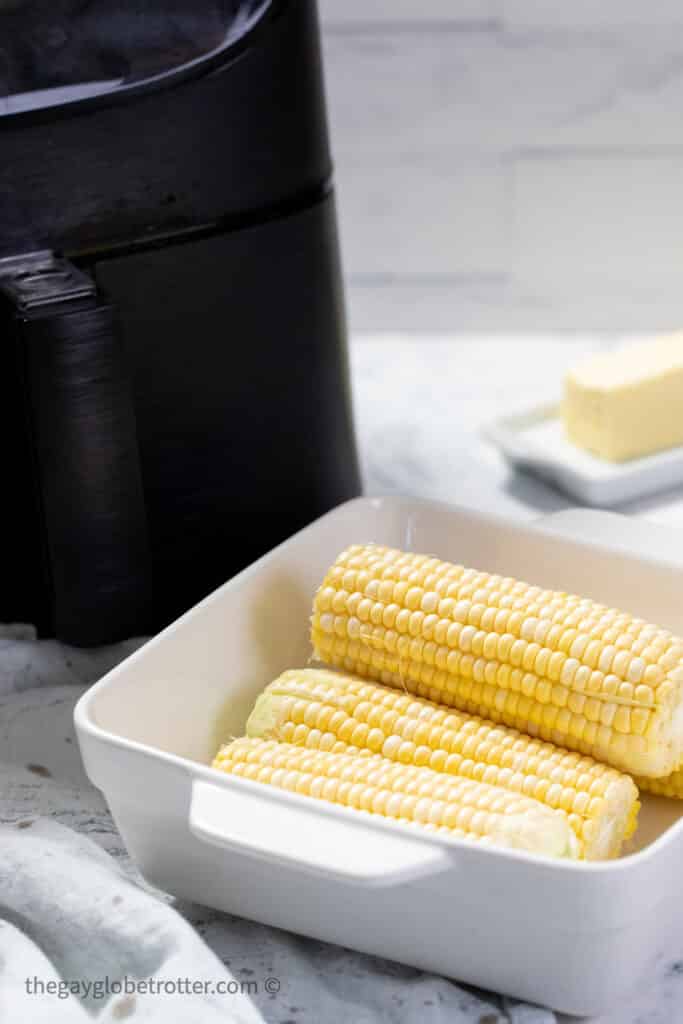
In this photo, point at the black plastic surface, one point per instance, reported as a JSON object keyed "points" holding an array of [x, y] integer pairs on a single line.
{"points": [[237, 356], [67, 52], [76, 559], [243, 137]]}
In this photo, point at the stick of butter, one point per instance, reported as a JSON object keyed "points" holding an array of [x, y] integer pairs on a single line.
{"points": [[628, 402]]}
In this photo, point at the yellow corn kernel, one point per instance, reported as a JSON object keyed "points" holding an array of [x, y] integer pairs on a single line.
{"points": [[670, 785]]}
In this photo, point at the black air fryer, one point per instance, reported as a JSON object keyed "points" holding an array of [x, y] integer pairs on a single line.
{"points": [[173, 365]]}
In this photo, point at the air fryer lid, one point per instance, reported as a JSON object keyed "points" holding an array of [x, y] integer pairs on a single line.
{"points": [[54, 52]]}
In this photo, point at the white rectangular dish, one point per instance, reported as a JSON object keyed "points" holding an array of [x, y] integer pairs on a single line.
{"points": [[570, 935], [534, 441]]}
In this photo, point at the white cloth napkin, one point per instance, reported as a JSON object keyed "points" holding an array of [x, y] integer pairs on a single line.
{"points": [[72, 915], [74, 910]]}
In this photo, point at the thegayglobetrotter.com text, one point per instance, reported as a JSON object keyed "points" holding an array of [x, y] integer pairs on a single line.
{"points": [[103, 988]]}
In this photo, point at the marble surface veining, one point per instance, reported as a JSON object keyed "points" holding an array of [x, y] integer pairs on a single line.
{"points": [[420, 404]]}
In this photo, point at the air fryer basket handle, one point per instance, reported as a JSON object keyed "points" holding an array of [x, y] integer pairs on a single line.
{"points": [[82, 445]]}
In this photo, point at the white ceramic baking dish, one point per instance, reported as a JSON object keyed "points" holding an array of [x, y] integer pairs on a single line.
{"points": [[573, 936]]}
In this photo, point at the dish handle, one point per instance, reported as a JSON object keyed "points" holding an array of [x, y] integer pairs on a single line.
{"points": [[629, 535], [257, 822]]}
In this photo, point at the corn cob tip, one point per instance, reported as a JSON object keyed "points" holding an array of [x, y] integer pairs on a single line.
{"points": [[270, 709], [539, 831], [264, 717]]}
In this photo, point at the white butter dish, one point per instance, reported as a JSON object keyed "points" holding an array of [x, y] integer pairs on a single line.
{"points": [[574, 936], [534, 440]]}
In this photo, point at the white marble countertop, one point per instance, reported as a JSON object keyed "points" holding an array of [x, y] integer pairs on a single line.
{"points": [[420, 404]]}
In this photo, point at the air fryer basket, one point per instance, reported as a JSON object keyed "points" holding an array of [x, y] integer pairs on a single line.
{"points": [[52, 53]]}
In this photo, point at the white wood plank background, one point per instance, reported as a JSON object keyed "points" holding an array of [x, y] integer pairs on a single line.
{"points": [[508, 163]]}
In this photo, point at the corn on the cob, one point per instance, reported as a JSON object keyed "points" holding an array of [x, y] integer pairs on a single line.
{"points": [[407, 793], [324, 710], [553, 665], [669, 785]]}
